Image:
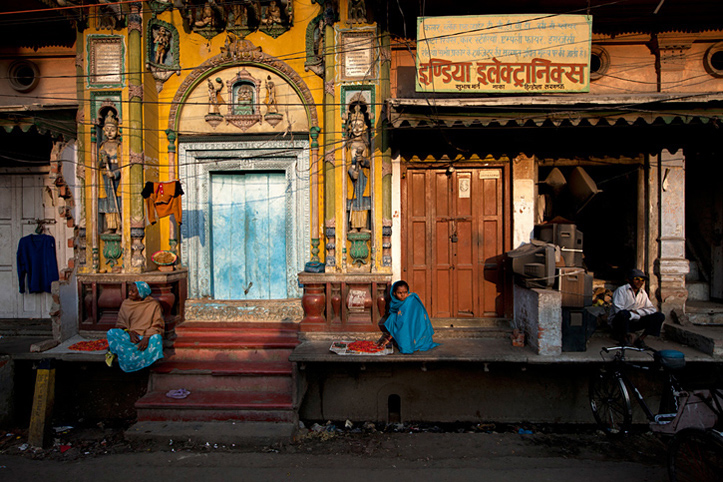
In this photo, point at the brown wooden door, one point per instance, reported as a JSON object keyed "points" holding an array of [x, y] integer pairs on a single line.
{"points": [[453, 240]]}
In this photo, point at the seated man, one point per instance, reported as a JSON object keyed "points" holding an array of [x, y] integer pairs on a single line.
{"points": [[632, 311]]}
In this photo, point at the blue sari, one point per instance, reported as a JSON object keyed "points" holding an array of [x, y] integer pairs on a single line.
{"points": [[409, 324], [130, 358]]}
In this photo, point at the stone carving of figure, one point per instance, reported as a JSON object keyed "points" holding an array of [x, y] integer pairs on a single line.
{"points": [[272, 14], [270, 96], [109, 202], [162, 42], [359, 203], [357, 11], [244, 100], [240, 15], [214, 96], [110, 14], [207, 17]]}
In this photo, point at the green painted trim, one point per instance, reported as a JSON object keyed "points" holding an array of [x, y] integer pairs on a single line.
{"points": [[92, 85], [174, 49], [98, 97]]}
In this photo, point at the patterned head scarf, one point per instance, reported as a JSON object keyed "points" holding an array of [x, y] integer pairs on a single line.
{"points": [[143, 289]]}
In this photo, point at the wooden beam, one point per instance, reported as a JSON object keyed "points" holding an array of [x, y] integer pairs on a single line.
{"points": [[40, 418]]}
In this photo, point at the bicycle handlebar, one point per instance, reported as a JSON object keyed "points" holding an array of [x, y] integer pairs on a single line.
{"points": [[607, 349]]}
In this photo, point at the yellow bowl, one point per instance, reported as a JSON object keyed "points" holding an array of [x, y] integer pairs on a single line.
{"points": [[167, 258]]}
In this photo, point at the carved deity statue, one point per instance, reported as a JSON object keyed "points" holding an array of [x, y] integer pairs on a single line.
{"points": [[240, 15], [270, 96], [162, 42], [109, 199], [272, 14], [358, 199], [214, 96]]}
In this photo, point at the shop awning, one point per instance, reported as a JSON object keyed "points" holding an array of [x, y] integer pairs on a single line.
{"points": [[557, 111], [54, 122]]}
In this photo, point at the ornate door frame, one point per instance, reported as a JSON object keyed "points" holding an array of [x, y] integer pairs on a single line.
{"points": [[197, 160]]}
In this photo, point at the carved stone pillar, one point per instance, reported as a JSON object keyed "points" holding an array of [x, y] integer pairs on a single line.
{"points": [[95, 179], [315, 232], [174, 232], [136, 157], [672, 265]]}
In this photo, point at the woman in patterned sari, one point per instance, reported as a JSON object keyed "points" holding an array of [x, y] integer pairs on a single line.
{"points": [[136, 339]]}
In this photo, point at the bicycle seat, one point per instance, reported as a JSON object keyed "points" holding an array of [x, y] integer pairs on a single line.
{"points": [[671, 359]]}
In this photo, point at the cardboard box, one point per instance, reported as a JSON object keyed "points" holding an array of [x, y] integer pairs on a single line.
{"points": [[575, 286]]}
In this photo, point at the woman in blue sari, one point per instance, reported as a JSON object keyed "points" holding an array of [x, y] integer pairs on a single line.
{"points": [[136, 339], [408, 322]]}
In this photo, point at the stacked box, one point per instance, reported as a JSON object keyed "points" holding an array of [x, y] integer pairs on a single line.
{"points": [[567, 237], [575, 286], [578, 325]]}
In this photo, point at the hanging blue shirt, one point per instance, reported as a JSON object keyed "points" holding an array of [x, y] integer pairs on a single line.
{"points": [[409, 324], [36, 260]]}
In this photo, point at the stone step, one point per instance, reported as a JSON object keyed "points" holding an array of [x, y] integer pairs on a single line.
{"points": [[234, 342], [706, 339], [215, 368], [271, 311], [189, 328], [704, 312], [231, 376], [26, 327], [219, 352], [698, 290], [217, 405]]}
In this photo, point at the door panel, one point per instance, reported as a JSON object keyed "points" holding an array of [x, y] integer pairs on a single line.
{"points": [[21, 204], [248, 229], [462, 234]]}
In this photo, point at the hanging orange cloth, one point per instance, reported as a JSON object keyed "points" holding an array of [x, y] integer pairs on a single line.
{"points": [[163, 199]]}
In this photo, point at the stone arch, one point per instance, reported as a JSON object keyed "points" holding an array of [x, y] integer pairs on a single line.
{"points": [[241, 53]]}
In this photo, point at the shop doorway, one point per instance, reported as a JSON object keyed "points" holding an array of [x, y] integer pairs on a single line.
{"points": [[453, 240]]}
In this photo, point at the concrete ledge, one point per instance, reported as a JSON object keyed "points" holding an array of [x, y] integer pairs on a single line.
{"points": [[706, 339], [61, 352], [487, 350], [239, 434]]}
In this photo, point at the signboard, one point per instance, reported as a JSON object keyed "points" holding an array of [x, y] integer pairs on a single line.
{"points": [[358, 53], [105, 60], [504, 54]]}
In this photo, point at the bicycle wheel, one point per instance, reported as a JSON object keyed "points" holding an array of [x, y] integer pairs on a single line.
{"points": [[696, 455], [610, 403]]}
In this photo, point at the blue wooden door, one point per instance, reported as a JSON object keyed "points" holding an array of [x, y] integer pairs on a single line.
{"points": [[248, 236]]}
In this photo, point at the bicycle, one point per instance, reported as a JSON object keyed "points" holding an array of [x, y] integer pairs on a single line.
{"points": [[696, 449]]}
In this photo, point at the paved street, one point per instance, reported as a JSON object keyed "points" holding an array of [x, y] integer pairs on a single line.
{"points": [[362, 457]]}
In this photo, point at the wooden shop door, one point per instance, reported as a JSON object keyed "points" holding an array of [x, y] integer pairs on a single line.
{"points": [[453, 240]]}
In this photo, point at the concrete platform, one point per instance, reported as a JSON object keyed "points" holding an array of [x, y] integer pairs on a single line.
{"points": [[488, 350], [230, 433], [60, 352]]}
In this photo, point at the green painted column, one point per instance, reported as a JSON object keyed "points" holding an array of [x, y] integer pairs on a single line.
{"points": [[135, 147], [81, 172], [329, 148], [385, 93]]}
